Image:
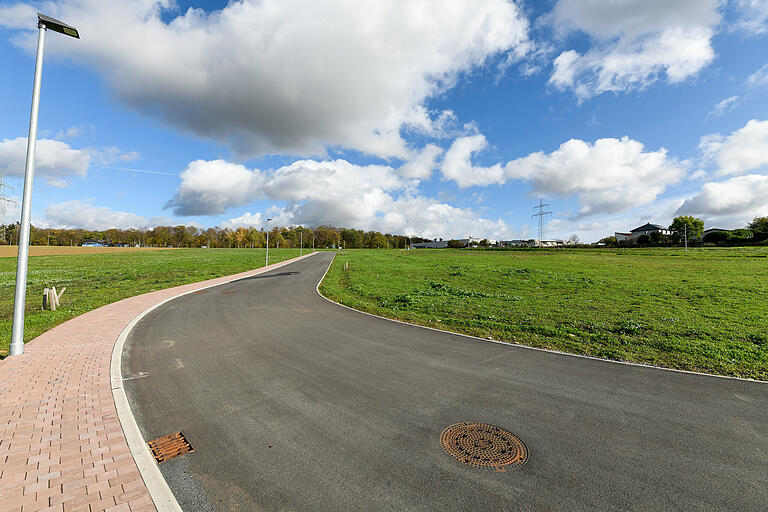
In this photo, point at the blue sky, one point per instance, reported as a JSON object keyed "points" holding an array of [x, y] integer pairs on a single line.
{"points": [[435, 119]]}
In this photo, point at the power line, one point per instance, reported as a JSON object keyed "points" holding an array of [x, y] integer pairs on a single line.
{"points": [[541, 214]]}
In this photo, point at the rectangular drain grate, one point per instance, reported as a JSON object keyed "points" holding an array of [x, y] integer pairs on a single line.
{"points": [[170, 446]]}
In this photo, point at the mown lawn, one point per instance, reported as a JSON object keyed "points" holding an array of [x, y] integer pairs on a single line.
{"points": [[706, 311], [93, 280]]}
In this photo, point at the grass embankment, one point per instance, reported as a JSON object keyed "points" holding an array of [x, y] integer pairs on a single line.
{"points": [[706, 311], [93, 280]]}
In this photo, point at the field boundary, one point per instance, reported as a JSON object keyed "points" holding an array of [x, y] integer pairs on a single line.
{"points": [[509, 343], [158, 488], [11, 251]]}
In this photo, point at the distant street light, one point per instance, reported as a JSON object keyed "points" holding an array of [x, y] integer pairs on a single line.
{"points": [[19, 301], [267, 242]]}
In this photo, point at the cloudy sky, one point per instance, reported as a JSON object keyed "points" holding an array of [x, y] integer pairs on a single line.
{"points": [[435, 118]]}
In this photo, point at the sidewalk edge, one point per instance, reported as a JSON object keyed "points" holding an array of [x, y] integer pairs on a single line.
{"points": [[158, 488]]}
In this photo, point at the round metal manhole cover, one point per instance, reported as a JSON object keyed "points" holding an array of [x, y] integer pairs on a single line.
{"points": [[485, 446]]}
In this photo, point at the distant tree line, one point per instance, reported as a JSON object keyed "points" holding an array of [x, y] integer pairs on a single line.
{"points": [[755, 233], [191, 236]]}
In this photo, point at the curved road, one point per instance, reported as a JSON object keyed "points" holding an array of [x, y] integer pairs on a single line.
{"points": [[295, 403]]}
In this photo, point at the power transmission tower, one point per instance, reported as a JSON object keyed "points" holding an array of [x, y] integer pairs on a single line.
{"points": [[4, 200], [541, 213]]}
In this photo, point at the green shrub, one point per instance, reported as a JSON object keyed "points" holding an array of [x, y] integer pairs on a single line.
{"points": [[716, 237], [743, 234]]}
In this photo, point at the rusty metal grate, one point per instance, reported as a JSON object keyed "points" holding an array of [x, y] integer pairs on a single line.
{"points": [[170, 446], [485, 446]]}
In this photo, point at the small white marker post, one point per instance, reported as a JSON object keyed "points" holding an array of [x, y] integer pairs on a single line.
{"points": [[267, 263]]}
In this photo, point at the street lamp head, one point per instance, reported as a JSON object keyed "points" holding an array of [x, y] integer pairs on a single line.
{"points": [[57, 26]]}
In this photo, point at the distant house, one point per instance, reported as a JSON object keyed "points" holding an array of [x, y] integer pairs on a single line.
{"points": [[437, 244], [519, 243], [442, 244], [647, 229], [622, 237]]}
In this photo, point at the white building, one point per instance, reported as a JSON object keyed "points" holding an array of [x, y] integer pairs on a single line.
{"points": [[622, 237], [648, 229]]}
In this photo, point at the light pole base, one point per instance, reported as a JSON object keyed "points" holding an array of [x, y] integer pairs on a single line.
{"points": [[16, 349]]}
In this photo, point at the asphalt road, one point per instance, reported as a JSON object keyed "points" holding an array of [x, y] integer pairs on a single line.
{"points": [[295, 403]]}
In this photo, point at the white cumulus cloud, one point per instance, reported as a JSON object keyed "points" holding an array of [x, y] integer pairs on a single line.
{"points": [[334, 192], [85, 215], [636, 42], [608, 176], [56, 161], [744, 150], [246, 220], [457, 164], [731, 203], [286, 76], [52, 158]]}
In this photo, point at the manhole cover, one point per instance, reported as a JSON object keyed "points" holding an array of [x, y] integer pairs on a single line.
{"points": [[481, 445], [170, 446]]}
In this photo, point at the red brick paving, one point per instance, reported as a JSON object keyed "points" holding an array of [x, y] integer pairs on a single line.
{"points": [[61, 444]]}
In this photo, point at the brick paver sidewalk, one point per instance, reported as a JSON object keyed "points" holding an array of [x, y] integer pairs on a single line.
{"points": [[61, 444]]}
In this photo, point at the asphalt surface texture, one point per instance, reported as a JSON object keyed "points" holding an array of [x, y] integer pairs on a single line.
{"points": [[292, 402]]}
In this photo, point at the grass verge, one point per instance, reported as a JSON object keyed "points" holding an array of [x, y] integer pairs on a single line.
{"points": [[704, 312], [94, 280]]}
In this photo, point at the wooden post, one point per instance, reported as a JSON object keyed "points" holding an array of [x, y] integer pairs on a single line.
{"points": [[52, 298]]}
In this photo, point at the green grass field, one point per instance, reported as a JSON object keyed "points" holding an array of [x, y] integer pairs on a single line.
{"points": [[706, 311], [93, 280]]}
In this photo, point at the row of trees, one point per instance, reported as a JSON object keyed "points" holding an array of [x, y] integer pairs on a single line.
{"points": [[191, 236], [693, 227]]}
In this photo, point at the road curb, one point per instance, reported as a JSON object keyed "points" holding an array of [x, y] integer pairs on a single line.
{"points": [[158, 488], [512, 344]]}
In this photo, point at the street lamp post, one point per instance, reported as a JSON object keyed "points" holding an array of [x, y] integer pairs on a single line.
{"points": [[17, 337], [267, 263], [301, 242]]}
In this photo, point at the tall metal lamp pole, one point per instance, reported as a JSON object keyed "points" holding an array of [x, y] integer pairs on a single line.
{"points": [[19, 301]]}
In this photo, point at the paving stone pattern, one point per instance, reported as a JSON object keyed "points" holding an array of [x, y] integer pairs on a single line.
{"points": [[61, 444]]}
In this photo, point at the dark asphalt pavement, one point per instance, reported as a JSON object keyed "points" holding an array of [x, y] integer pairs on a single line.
{"points": [[295, 403]]}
